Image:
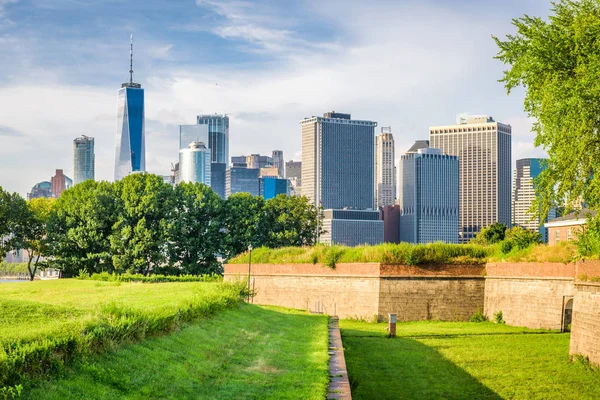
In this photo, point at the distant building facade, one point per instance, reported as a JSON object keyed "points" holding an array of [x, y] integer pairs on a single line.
{"points": [[524, 196], [338, 161], [218, 135], [429, 197], [84, 159], [130, 152], [270, 171], [59, 183], [277, 157], [390, 215], [568, 227], [41, 189], [217, 178], [483, 147], [293, 171], [240, 179], [272, 186], [352, 227], [194, 163], [385, 176]]}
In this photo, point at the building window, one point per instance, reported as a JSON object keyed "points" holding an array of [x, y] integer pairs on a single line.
{"points": [[557, 235], [568, 234]]}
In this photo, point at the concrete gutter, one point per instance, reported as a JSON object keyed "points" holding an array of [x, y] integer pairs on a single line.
{"points": [[339, 386]]}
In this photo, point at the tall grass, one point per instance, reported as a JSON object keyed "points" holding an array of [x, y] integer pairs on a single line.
{"points": [[403, 253], [107, 277], [92, 331]]}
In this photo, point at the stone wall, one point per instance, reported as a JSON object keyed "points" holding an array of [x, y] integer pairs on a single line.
{"points": [[369, 290], [585, 328], [529, 294]]}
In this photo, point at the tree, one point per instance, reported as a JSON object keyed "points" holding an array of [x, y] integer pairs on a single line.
{"points": [[291, 221], [243, 223], [13, 211], [556, 61], [139, 239], [34, 236], [491, 234], [195, 232], [80, 226]]}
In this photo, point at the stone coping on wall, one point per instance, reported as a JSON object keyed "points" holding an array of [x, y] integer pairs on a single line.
{"points": [[530, 270], [358, 269], [588, 269]]}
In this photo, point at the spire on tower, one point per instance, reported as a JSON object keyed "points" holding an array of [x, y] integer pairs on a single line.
{"points": [[131, 60]]}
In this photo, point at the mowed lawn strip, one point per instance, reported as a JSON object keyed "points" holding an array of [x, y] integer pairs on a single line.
{"points": [[468, 362], [249, 352]]}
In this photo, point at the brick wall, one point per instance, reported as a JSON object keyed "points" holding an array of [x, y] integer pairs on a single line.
{"points": [[444, 298], [585, 330]]}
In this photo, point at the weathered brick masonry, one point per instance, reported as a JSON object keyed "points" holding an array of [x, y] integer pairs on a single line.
{"points": [[529, 294], [369, 290], [585, 329]]}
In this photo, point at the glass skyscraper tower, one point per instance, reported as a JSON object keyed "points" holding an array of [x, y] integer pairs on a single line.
{"points": [[218, 136], [84, 159], [130, 152]]}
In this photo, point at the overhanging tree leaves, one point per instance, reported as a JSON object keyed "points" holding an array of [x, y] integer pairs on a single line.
{"points": [[243, 223], [290, 221], [35, 238], [13, 211], [558, 63]]}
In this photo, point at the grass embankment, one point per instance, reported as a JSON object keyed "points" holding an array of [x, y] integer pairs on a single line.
{"points": [[461, 360], [249, 352], [45, 324], [409, 254]]}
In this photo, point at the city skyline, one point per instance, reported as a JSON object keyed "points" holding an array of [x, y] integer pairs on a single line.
{"points": [[258, 74]]}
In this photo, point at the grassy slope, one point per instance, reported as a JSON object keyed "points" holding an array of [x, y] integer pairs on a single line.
{"points": [[32, 309], [246, 353], [463, 361]]}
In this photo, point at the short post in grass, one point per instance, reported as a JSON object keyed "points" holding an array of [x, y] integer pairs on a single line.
{"points": [[392, 325], [249, 266]]}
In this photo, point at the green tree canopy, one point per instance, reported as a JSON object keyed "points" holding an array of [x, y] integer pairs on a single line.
{"points": [[290, 221], [13, 213], [80, 226], [195, 232], [557, 61], [243, 223], [34, 237]]}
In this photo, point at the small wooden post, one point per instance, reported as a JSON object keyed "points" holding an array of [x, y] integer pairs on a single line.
{"points": [[392, 325]]}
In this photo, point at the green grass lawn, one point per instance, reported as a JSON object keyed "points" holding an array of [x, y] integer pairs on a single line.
{"points": [[249, 352], [29, 310], [455, 360]]}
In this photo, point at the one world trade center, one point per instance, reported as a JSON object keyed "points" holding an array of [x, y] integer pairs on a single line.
{"points": [[130, 153]]}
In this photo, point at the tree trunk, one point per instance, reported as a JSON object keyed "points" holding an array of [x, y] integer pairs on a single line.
{"points": [[31, 272]]}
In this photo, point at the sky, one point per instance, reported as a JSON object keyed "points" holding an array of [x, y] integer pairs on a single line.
{"points": [[266, 63]]}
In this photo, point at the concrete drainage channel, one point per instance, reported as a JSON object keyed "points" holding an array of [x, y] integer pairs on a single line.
{"points": [[339, 386]]}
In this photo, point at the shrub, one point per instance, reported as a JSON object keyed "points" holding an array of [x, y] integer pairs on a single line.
{"points": [[106, 277], [479, 317], [588, 241], [499, 317]]}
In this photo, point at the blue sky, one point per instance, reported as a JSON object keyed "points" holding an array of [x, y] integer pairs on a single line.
{"points": [[268, 64]]}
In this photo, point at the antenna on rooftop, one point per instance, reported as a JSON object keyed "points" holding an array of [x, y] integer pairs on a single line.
{"points": [[131, 60]]}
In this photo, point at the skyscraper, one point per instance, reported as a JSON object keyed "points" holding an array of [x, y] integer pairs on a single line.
{"points": [[278, 162], [218, 172], [483, 147], [240, 179], [524, 195], [428, 197], [84, 159], [218, 136], [293, 172], [130, 153], [194, 163], [385, 177], [338, 161], [271, 186], [192, 133], [59, 183]]}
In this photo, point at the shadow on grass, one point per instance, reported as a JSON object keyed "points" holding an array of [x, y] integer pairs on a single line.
{"points": [[404, 368]]}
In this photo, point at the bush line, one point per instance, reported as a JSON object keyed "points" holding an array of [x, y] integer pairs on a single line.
{"points": [[107, 277]]}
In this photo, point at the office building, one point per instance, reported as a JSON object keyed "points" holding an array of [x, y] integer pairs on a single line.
{"points": [[217, 178], [293, 171], [270, 171], [41, 189], [130, 153], [352, 227], [385, 176], [84, 159], [218, 135], [272, 186], [428, 197], [192, 133], [277, 157], [483, 147], [524, 195], [390, 215], [194, 163], [175, 178], [254, 161], [59, 183], [338, 161], [239, 179]]}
